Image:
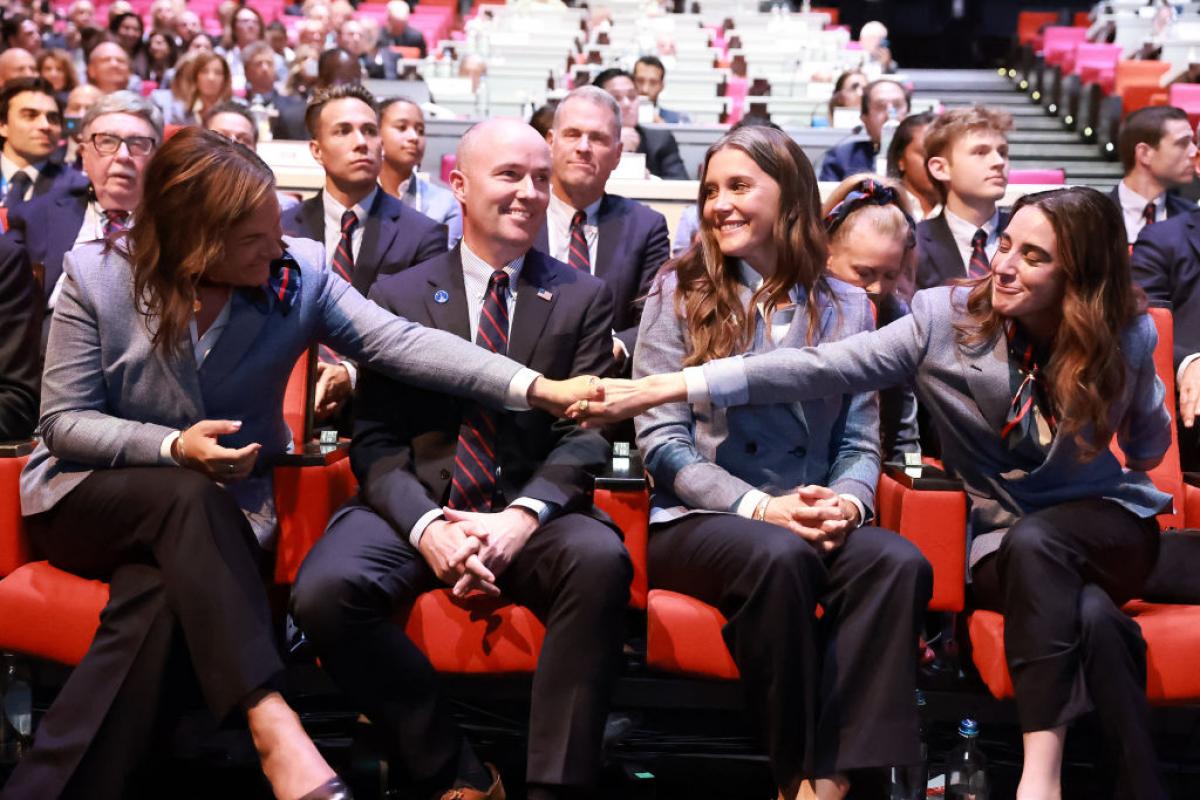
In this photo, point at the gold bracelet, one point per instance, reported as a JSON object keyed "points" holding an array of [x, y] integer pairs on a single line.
{"points": [[760, 510]]}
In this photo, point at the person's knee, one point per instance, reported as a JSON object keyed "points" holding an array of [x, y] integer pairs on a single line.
{"points": [[1030, 539], [602, 565], [1099, 616], [783, 556], [192, 492], [324, 598], [905, 560]]}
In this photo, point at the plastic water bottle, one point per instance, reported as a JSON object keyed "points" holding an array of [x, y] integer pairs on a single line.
{"points": [[966, 766], [886, 134], [16, 723], [910, 781]]}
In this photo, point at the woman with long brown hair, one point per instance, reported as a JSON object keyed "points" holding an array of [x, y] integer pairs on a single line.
{"points": [[202, 81], [162, 396], [760, 512], [1028, 374]]}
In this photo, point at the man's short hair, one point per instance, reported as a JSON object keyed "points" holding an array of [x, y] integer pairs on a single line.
{"points": [[21, 85], [948, 128], [870, 87], [230, 107], [596, 96], [609, 74], [125, 102], [254, 50], [341, 91], [1144, 126], [651, 61]]}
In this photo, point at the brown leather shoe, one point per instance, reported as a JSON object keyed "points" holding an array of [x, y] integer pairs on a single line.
{"points": [[494, 792]]}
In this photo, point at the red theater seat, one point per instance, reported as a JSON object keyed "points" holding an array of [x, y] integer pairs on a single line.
{"points": [[683, 636]]}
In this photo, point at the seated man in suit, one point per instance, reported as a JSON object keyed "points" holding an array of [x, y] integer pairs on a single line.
{"points": [[366, 232], [659, 147], [403, 125], [649, 74], [966, 153], [400, 34], [616, 239], [31, 125], [20, 367], [109, 68], [1158, 152], [235, 122], [286, 112], [352, 38], [882, 100], [118, 135], [454, 496]]}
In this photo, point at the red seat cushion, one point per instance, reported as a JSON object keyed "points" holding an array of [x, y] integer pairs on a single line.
{"points": [[475, 635], [1172, 635], [683, 635], [49, 613]]}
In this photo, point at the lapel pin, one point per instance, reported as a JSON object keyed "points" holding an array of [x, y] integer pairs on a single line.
{"points": [[441, 296], [545, 294]]}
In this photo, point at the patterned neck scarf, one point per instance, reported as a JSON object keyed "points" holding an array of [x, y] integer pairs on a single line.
{"points": [[1030, 418]]}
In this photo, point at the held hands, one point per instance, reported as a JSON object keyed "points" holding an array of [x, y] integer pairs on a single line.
{"points": [[815, 513], [333, 387], [621, 398], [197, 448]]}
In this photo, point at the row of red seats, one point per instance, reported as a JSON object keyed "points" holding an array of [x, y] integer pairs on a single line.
{"points": [[50, 614]]}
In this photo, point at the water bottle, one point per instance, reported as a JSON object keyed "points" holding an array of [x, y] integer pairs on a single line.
{"points": [[16, 723], [886, 134], [966, 767], [910, 781]]}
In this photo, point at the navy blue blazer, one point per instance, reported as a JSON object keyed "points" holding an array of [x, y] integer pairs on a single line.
{"points": [[20, 368], [53, 176], [288, 123], [848, 158], [662, 154], [633, 243], [47, 226], [395, 236], [1176, 205], [1166, 264], [938, 258]]}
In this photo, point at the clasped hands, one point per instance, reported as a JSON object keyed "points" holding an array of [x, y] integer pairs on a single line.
{"points": [[468, 550], [815, 513], [594, 402]]}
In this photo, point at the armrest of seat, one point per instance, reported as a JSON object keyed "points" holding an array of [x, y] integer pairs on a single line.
{"points": [[928, 507], [14, 549], [309, 486], [621, 492]]}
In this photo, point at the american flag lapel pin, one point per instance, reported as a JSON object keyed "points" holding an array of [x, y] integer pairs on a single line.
{"points": [[545, 294]]}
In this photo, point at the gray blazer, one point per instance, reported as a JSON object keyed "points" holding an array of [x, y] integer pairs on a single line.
{"points": [[109, 399], [967, 395], [706, 459]]}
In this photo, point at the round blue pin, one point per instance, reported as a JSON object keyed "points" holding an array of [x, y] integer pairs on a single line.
{"points": [[441, 296]]}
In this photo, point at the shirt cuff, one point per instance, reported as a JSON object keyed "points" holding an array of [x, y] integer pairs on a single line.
{"points": [[750, 500], [1183, 365], [418, 530], [164, 450], [543, 511], [517, 396], [352, 370], [697, 385], [862, 510], [727, 384]]}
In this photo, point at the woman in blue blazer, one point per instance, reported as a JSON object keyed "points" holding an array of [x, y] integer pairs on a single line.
{"points": [[161, 415], [760, 511], [1027, 375]]}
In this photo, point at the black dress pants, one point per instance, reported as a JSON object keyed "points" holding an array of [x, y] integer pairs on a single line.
{"points": [[573, 573], [179, 556], [1060, 578], [826, 695]]}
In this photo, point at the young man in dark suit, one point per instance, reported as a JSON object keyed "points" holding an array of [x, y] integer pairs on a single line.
{"points": [[1158, 153], [659, 146], [453, 494], [966, 152], [31, 126], [20, 367], [616, 239]]}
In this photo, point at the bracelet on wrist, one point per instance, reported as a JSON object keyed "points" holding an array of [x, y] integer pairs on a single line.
{"points": [[760, 510]]}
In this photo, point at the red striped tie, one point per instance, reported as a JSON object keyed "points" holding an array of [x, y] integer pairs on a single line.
{"points": [[979, 266], [1148, 214], [474, 479], [343, 257], [578, 255]]}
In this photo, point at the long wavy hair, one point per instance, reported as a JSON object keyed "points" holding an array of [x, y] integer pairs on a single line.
{"points": [[1086, 371], [707, 298], [197, 186]]}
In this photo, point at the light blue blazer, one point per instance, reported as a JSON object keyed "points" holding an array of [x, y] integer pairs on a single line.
{"points": [[438, 203], [967, 395], [705, 459], [109, 399]]}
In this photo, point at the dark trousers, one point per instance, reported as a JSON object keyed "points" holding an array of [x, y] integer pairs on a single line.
{"points": [[1060, 578], [179, 556], [826, 695], [573, 574]]}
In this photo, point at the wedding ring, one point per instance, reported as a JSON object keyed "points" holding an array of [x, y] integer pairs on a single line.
{"points": [[583, 406]]}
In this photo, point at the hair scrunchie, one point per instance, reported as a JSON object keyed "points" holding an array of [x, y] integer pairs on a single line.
{"points": [[869, 192]]}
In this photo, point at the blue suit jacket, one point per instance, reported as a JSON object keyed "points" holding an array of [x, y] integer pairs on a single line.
{"points": [[938, 258], [633, 243], [53, 177], [967, 393], [1166, 264], [47, 226], [394, 237], [1176, 205], [848, 158]]}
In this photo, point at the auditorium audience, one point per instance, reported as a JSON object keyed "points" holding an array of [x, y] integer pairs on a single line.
{"points": [[1158, 151], [620, 241], [108, 68], [873, 39], [403, 132], [163, 14], [882, 100], [786, 491], [1061, 535], [57, 69], [126, 30], [200, 43], [400, 34], [16, 63], [286, 113], [336, 67], [847, 91], [235, 122], [82, 14], [31, 126], [202, 81], [20, 367], [906, 164], [161, 55], [545, 547], [649, 75], [659, 147], [352, 38], [139, 492], [20, 31], [966, 152], [187, 27]]}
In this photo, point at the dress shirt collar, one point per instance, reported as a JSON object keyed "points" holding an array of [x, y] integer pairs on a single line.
{"points": [[1133, 203], [477, 272], [750, 277], [562, 212], [963, 231], [9, 169], [334, 209]]}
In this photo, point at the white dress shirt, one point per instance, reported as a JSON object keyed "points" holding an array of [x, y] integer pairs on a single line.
{"points": [[8, 169], [964, 231], [333, 224], [1132, 207], [477, 273], [558, 229]]}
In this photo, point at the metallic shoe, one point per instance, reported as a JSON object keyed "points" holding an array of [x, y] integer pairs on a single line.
{"points": [[333, 789], [494, 792]]}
